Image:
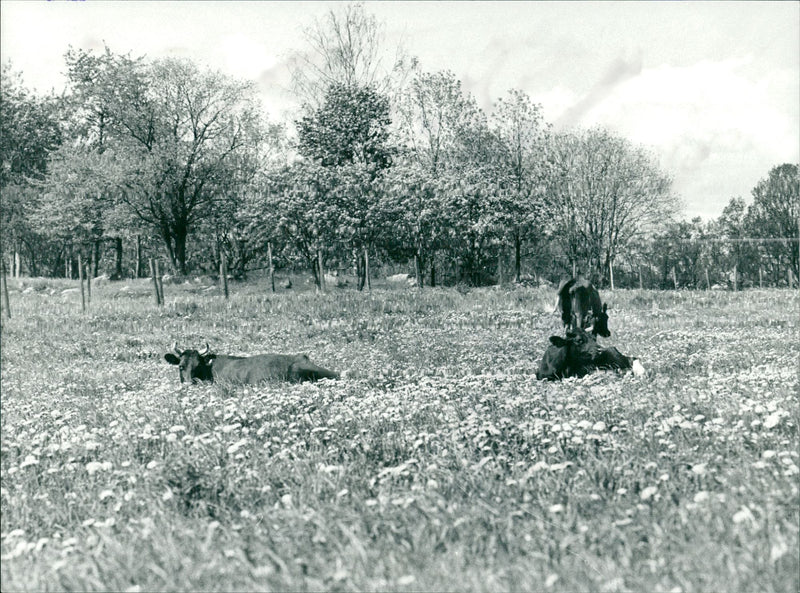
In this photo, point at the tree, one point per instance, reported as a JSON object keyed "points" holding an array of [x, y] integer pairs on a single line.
{"points": [[30, 129], [345, 48], [519, 126], [351, 126], [182, 138], [435, 118], [775, 214], [603, 194], [302, 201]]}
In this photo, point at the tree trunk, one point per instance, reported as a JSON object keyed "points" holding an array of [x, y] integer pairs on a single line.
{"points": [[433, 271], [674, 278], [179, 238], [418, 268], [271, 266], [5, 286], [95, 258], [223, 274], [640, 278], [518, 258], [138, 272], [366, 268], [708, 284], [17, 264], [358, 262], [80, 279], [118, 257], [88, 286]]}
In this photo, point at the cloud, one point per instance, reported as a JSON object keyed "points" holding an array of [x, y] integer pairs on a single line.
{"points": [[620, 71]]}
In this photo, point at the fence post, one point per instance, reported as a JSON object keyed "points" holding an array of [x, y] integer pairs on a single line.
{"points": [[5, 286], [760, 277], [80, 279], [790, 277], [271, 266], [611, 273], [159, 284], [321, 270], [223, 274], [155, 282]]}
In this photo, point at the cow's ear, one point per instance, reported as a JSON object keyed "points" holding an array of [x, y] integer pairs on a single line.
{"points": [[558, 341], [605, 307], [171, 358], [209, 356]]}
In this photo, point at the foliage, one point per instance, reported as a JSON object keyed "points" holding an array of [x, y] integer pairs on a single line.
{"points": [[352, 126], [603, 194]]}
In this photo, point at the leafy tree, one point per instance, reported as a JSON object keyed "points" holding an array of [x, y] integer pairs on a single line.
{"points": [[775, 214], [519, 126], [182, 138], [351, 126], [30, 129], [603, 194]]}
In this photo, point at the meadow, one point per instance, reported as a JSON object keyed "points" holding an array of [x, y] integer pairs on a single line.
{"points": [[438, 463]]}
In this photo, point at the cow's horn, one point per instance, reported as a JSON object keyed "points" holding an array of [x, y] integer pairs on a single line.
{"points": [[204, 351], [175, 348]]}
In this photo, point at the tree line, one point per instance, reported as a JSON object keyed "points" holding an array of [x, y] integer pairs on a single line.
{"points": [[386, 163]]}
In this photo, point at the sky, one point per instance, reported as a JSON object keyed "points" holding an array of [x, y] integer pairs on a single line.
{"points": [[711, 89]]}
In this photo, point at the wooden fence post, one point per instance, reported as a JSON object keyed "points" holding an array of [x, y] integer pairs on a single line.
{"points": [[271, 266], [223, 273], [611, 273], [5, 286], [80, 279], [155, 282], [320, 270], [674, 278], [760, 277]]}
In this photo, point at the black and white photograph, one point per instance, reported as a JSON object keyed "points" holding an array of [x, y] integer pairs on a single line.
{"points": [[400, 296]]}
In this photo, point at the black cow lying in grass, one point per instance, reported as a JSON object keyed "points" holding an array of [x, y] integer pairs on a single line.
{"points": [[204, 365], [581, 307], [578, 355]]}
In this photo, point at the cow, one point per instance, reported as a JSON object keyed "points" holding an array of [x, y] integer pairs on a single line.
{"points": [[205, 365], [581, 307], [578, 355]]}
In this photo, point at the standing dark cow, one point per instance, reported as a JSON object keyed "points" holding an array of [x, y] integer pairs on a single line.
{"points": [[578, 355], [581, 307], [204, 365]]}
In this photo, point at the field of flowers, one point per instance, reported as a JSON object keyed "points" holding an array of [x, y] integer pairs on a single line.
{"points": [[437, 463]]}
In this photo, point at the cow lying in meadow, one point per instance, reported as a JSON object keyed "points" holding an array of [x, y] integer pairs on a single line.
{"points": [[581, 307], [205, 365], [578, 355]]}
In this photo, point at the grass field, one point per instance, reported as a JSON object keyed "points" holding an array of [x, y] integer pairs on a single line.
{"points": [[438, 463]]}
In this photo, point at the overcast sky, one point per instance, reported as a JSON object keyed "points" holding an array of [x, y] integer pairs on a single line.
{"points": [[713, 88]]}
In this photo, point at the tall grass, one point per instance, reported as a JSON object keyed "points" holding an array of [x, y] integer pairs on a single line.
{"points": [[437, 463]]}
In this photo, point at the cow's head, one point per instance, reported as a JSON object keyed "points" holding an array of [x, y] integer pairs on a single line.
{"points": [[193, 365], [581, 349], [600, 325]]}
